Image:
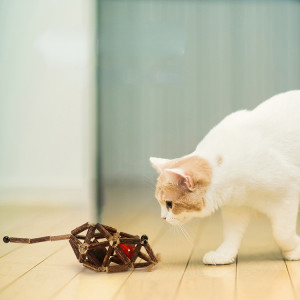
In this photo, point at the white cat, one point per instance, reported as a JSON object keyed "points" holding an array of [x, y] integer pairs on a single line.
{"points": [[249, 162]]}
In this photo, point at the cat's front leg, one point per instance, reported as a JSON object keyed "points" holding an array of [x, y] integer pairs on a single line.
{"points": [[235, 221]]}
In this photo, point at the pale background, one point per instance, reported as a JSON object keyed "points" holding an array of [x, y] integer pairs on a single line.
{"points": [[170, 70], [165, 72], [47, 99]]}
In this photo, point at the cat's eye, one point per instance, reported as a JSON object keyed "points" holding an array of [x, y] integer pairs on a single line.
{"points": [[169, 204]]}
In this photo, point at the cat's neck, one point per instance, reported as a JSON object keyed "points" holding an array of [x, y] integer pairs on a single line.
{"points": [[220, 191]]}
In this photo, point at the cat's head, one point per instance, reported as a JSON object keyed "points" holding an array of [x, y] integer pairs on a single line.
{"points": [[181, 187]]}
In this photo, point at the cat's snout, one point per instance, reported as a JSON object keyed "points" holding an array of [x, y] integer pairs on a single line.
{"points": [[163, 218]]}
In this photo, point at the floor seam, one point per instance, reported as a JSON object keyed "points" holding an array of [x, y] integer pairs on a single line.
{"points": [[187, 263], [23, 245], [60, 289], [8, 285], [235, 278], [291, 281], [154, 241]]}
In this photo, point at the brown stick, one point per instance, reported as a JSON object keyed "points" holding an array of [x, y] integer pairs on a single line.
{"points": [[103, 231], [92, 257], [75, 248], [116, 260], [97, 245], [81, 258], [135, 252], [117, 268], [39, 240], [150, 252], [97, 235], [19, 240], [124, 234], [145, 257], [77, 244], [91, 266], [122, 255], [110, 229], [142, 265], [80, 228], [60, 237], [107, 256], [89, 234], [75, 240], [129, 241]]}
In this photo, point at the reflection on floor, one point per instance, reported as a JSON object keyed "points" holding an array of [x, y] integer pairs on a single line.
{"points": [[51, 271]]}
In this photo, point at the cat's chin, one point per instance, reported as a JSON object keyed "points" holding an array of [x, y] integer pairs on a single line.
{"points": [[176, 222]]}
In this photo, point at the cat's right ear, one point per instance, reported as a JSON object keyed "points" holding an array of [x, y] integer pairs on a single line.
{"points": [[158, 163]]}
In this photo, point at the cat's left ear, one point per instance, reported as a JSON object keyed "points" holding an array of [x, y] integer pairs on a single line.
{"points": [[178, 176], [158, 163]]}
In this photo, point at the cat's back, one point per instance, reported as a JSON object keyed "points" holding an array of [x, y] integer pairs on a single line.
{"points": [[281, 107], [272, 125], [278, 112], [278, 121]]}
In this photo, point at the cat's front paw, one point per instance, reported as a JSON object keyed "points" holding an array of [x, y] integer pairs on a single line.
{"points": [[292, 255], [217, 258]]}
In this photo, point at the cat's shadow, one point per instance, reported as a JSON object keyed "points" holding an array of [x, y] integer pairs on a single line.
{"points": [[222, 271], [260, 256]]}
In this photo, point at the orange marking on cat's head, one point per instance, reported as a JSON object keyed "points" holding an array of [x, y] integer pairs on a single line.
{"points": [[219, 160], [184, 181]]}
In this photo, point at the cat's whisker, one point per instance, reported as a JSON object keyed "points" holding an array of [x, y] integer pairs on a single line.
{"points": [[186, 235], [182, 232], [174, 231], [177, 232]]}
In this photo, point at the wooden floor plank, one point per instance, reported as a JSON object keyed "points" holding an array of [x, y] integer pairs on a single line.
{"points": [[261, 271], [162, 283], [17, 263], [16, 218], [10, 214], [50, 270], [33, 225], [294, 268], [207, 282], [294, 272], [18, 269]]}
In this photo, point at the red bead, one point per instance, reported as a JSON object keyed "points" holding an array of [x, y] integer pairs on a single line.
{"points": [[127, 249]]}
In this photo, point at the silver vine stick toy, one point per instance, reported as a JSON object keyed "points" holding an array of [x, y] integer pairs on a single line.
{"points": [[103, 248]]}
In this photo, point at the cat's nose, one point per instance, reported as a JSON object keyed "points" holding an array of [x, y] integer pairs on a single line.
{"points": [[163, 218]]}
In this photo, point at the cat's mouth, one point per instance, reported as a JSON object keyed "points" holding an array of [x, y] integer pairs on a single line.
{"points": [[175, 222]]}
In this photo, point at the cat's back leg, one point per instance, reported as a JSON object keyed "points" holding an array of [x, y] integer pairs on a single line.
{"points": [[283, 216]]}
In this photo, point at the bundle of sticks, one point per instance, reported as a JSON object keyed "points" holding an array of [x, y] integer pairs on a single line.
{"points": [[102, 248]]}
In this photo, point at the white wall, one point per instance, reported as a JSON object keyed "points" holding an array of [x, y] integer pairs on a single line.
{"points": [[46, 100]]}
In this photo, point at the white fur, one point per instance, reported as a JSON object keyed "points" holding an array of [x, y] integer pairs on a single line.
{"points": [[260, 171], [157, 163]]}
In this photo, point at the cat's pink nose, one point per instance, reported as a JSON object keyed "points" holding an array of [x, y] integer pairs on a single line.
{"points": [[163, 218]]}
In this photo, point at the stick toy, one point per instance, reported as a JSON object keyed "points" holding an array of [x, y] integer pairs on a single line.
{"points": [[102, 248]]}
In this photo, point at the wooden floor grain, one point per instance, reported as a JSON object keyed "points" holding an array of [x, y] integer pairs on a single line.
{"points": [[51, 271]]}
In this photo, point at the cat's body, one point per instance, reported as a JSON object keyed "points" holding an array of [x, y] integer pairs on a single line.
{"points": [[249, 162]]}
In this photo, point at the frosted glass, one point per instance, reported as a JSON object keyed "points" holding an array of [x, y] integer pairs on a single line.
{"points": [[170, 70]]}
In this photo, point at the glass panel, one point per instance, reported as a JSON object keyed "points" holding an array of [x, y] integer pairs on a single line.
{"points": [[170, 70]]}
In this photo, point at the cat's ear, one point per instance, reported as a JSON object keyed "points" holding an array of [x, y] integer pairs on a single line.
{"points": [[178, 177], [158, 163]]}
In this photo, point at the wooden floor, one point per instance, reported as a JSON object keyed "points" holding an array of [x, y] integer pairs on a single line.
{"points": [[50, 270]]}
